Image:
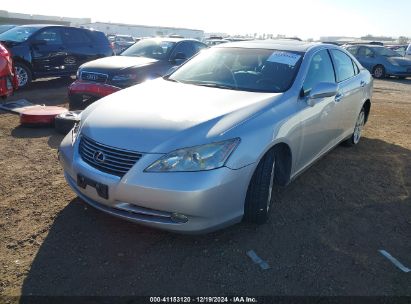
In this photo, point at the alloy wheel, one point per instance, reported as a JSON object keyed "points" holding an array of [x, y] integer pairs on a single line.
{"points": [[270, 189], [378, 72], [358, 127], [22, 76]]}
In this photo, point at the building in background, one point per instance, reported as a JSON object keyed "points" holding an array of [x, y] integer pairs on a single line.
{"points": [[143, 30], [19, 19]]}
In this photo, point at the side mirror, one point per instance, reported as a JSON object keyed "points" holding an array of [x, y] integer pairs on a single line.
{"points": [[321, 90]]}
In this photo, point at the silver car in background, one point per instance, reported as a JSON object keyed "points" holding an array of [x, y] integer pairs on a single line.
{"points": [[203, 148]]}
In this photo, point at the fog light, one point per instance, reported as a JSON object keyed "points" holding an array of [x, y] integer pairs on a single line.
{"points": [[179, 218]]}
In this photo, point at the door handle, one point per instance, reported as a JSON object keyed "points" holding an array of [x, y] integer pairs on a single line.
{"points": [[338, 97], [362, 83]]}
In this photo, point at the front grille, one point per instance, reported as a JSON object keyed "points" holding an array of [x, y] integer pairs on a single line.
{"points": [[106, 158], [93, 76]]}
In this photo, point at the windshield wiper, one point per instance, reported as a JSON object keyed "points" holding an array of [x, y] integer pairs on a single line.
{"points": [[213, 85]]}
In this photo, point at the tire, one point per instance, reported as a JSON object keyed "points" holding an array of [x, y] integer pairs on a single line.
{"points": [[259, 194], [378, 71], [359, 125], [23, 73], [64, 122], [76, 102]]}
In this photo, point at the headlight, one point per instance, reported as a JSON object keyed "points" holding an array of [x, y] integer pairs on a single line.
{"points": [[78, 74], [75, 132], [198, 158], [124, 77]]}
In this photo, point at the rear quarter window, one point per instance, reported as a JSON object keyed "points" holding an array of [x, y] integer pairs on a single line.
{"points": [[98, 37]]}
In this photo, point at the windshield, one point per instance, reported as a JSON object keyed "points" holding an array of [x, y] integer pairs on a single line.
{"points": [[5, 27], [18, 34], [382, 51], [151, 48], [255, 70]]}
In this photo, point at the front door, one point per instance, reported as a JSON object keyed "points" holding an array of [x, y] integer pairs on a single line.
{"points": [[321, 123], [366, 57], [48, 52]]}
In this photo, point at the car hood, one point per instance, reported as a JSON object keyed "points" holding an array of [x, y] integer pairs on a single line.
{"points": [[117, 63], [401, 61], [159, 116]]}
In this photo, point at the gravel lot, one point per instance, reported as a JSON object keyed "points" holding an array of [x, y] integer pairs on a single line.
{"points": [[322, 239]]}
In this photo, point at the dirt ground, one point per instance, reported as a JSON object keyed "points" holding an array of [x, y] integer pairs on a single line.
{"points": [[323, 236]]}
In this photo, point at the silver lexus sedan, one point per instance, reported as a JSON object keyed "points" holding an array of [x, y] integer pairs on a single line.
{"points": [[203, 147]]}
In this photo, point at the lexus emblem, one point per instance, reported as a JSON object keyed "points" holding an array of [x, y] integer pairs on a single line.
{"points": [[70, 60], [99, 157]]}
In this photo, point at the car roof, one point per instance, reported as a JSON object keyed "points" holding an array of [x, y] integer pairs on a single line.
{"points": [[278, 44], [39, 25], [170, 39], [367, 45]]}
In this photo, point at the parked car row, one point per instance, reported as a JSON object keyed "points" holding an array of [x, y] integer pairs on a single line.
{"points": [[120, 43], [381, 61]]}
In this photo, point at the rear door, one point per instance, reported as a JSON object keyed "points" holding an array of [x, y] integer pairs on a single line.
{"points": [[350, 92], [79, 47], [48, 52]]}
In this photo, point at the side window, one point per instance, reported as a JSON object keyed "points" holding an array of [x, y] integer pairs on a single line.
{"points": [[343, 65], [50, 35], [365, 52], [75, 37], [185, 48], [320, 70], [353, 50]]}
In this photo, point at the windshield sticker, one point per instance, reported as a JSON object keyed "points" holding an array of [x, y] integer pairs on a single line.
{"points": [[284, 58]]}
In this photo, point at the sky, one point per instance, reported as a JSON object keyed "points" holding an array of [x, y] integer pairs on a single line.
{"points": [[302, 18]]}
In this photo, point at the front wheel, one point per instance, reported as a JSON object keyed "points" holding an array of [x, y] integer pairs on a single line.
{"points": [[259, 194], [23, 75], [359, 125]]}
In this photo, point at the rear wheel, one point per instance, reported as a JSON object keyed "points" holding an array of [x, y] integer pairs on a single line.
{"points": [[379, 71], [260, 190], [359, 125], [23, 74]]}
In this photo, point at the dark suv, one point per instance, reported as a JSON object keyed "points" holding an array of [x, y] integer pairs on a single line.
{"points": [[52, 50]]}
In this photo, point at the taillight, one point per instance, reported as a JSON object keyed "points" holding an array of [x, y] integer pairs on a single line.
{"points": [[4, 51]]}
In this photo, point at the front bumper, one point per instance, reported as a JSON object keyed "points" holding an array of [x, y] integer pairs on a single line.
{"points": [[94, 89], [399, 71], [209, 199]]}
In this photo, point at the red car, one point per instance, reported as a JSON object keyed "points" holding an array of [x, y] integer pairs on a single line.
{"points": [[8, 76]]}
